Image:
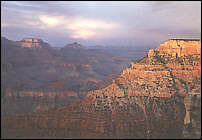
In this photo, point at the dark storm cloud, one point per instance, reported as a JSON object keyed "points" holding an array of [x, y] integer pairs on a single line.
{"points": [[101, 22]]}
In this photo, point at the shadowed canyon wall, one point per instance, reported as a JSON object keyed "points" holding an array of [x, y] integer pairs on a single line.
{"points": [[192, 120], [32, 63], [31, 66]]}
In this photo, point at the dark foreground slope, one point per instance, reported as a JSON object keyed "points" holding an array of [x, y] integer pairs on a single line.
{"points": [[145, 101]]}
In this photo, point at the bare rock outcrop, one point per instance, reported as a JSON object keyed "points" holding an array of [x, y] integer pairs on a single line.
{"points": [[151, 53], [33, 43], [180, 47]]}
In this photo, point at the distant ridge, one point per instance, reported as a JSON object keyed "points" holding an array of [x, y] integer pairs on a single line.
{"points": [[74, 45], [186, 39]]}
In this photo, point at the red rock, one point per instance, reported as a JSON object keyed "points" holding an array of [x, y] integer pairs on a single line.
{"points": [[142, 102], [31, 43]]}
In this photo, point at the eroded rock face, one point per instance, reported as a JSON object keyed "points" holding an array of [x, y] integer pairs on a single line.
{"points": [[151, 53], [135, 117], [26, 101], [32, 43], [192, 120], [180, 47], [32, 63], [34, 68], [145, 101]]}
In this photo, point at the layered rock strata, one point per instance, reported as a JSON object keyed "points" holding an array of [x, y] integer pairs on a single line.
{"points": [[145, 101], [27, 101], [33, 43], [33, 66], [32, 63]]}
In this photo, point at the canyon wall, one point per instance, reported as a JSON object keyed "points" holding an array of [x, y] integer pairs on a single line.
{"points": [[32, 67], [147, 100], [192, 120], [27, 101], [32, 63], [180, 47]]}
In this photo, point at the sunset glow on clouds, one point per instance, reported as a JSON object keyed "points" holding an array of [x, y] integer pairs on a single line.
{"points": [[84, 34], [78, 27], [52, 21], [89, 28], [4, 24], [101, 22]]}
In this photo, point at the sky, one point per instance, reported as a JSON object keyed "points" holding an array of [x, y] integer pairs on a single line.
{"points": [[114, 23]]}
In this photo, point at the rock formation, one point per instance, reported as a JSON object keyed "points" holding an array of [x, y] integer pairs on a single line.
{"points": [[31, 65], [74, 45], [25, 101], [145, 101], [32, 43], [151, 53], [180, 47]]}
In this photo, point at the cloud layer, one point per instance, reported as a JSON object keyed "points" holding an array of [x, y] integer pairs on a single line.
{"points": [[101, 22]]}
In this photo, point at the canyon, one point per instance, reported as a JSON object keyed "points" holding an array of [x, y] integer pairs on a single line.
{"points": [[31, 66], [157, 96], [132, 52], [37, 65]]}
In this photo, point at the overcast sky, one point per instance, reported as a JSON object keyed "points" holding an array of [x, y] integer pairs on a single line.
{"points": [[137, 23]]}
